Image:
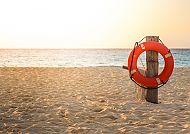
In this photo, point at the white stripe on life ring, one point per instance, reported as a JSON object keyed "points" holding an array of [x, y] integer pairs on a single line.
{"points": [[168, 55], [158, 81], [142, 46], [133, 71]]}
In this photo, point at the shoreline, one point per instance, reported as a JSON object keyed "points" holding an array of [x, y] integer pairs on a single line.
{"points": [[187, 67]]}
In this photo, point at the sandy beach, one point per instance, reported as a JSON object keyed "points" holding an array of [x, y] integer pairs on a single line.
{"points": [[90, 100]]}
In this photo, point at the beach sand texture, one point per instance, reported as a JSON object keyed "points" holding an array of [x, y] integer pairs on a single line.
{"points": [[89, 100]]}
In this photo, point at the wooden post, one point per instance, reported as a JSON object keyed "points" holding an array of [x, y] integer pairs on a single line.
{"points": [[150, 95], [141, 92], [152, 70]]}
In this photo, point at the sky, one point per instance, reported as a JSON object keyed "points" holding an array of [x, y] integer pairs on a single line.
{"points": [[93, 23]]}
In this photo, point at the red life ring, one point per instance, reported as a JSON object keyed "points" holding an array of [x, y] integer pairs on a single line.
{"points": [[148, 82]]}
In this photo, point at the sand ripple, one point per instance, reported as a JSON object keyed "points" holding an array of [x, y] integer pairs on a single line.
{"points": [[89, 100]]}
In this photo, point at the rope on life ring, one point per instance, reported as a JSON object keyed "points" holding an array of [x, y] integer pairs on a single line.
{"points": [[144, 81]]}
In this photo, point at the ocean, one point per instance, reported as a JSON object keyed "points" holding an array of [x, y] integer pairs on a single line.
{"points": [[80, 57]]}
